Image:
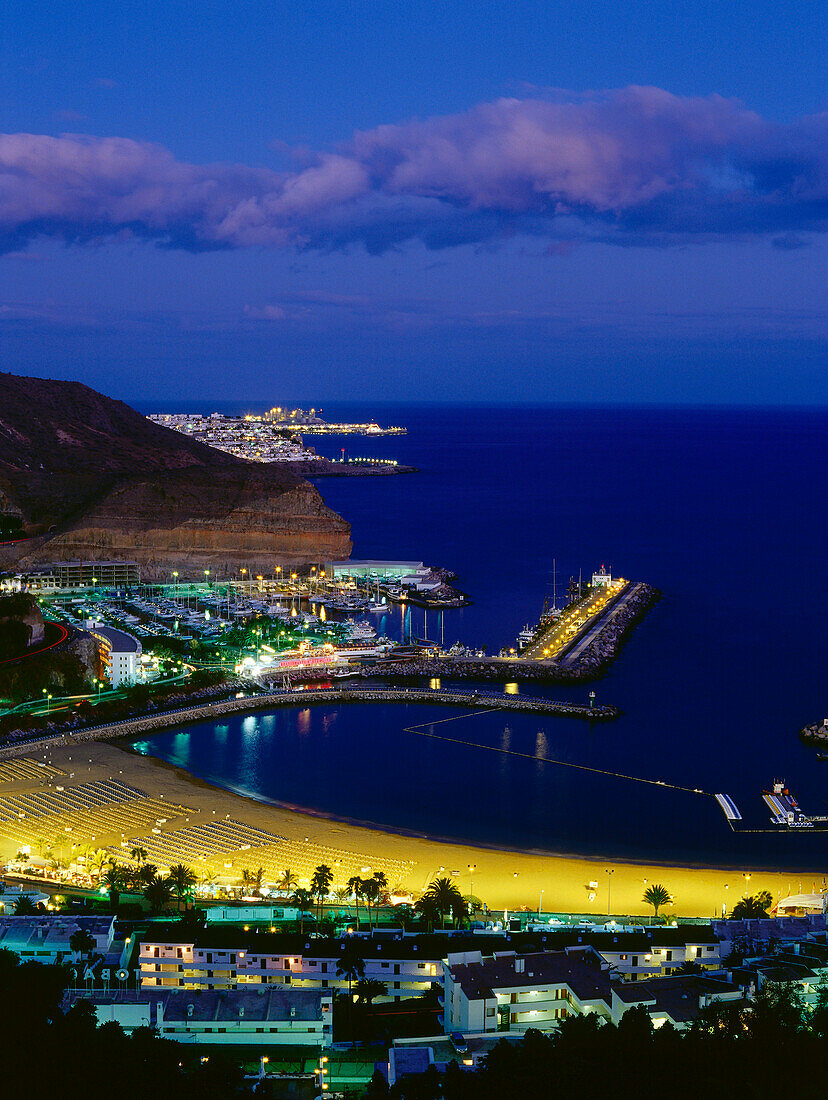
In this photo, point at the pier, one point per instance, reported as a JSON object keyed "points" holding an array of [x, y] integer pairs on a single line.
{"points": [[585, 656]]}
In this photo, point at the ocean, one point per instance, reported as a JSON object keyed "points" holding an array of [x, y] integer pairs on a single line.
{"points": [[722, 509]]}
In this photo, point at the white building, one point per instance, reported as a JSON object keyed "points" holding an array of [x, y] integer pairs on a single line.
{"points": [[361, 570], [259, 1017], [407, 968], [508, 992], [120, 655], [511, 992], [602, 579], [47, 939]]}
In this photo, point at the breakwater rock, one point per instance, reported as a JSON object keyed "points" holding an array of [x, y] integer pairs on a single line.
{"points": [[815, 734], [590, 664], [608, 642], [206, 710]]}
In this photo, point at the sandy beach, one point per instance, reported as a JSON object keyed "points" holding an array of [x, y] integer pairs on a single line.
{"points": [[509, 879]]}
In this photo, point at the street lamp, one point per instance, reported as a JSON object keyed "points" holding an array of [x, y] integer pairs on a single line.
{"points": [[609, 888], [323, 1073]]}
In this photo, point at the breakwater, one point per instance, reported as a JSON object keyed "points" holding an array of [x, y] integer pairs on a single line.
{"points": [[815, 734], [590, 663], [206, 712]]}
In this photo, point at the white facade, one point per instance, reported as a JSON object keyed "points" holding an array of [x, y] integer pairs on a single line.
{"points": [[510, 992], [188, 966], [120, 655], [237, 1017], [47, 939], [602, 579]]}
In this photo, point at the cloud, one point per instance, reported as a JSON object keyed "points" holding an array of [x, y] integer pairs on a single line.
{"points": [[789, 242], [265, 313], [636, 166]]}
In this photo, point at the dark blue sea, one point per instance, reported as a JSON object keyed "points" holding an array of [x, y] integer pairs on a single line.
{"points": [[723, 510]]}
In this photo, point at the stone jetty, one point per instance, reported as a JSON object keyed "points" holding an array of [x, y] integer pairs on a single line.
{"points": [[591, 663], [208, 711]]}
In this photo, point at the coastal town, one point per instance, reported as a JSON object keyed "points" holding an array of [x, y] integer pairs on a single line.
{"points": [[299, 934], [412, 517], [275, 436]]}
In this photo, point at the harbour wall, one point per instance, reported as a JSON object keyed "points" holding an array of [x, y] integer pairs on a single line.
{"points": [[591, 663], [207, 712]]}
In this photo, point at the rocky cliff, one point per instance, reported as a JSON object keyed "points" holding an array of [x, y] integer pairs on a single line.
{"points": [[91, 478]]}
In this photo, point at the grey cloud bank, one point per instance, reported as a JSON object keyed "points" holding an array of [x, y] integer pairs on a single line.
{"points": [[634, 166]]}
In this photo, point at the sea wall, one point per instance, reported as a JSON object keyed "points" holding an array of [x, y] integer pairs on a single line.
{"points": [[589, 665], [209, 711]]}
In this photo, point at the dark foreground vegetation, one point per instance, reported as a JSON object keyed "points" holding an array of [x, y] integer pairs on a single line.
{"points": [[775, 1044]]}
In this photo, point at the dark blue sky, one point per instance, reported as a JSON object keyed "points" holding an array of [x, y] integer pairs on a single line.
{"points": [[499, 201]]}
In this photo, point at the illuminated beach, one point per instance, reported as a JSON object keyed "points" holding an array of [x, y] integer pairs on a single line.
{"points": [[502, 879]]}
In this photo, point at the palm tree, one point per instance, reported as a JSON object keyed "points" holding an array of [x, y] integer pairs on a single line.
{"points": [[371, 893], [182, 879], [354, 884], [139, 854], [445, 896], [158, 893], [427, 908], [751, 907], [657, 895], [82, 942], [253, 880], [208, 879], [460, 911], [24, 906], [367, 989], [98, 860], [380, 879], [302, 899], [146, 874], [351, 964], [320, 884], [343, 895], [287, 881], [114, 879]]}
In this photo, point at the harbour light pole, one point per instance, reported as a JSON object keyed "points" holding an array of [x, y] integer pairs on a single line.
{"points": [[609, 888]]}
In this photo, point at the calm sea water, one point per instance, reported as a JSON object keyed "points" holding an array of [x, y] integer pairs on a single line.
{"points": [[723, 510]]}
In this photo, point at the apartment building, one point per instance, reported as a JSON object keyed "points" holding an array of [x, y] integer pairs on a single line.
{"points": [[407, 967], [509, 992], [46, 939], [254, 1017]]}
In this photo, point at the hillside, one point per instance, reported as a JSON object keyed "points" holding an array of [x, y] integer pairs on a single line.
{"points": [[95, 479]]}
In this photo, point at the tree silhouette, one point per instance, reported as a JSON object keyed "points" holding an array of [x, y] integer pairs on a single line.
{"points": [[657, 895], [445, 896], [182, 879], [355, 886], [302, 899], [320, 884], [752, 907], [367, 989]]}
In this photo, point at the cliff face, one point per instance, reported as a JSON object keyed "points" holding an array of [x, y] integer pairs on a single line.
{"points": [[95, 480]]}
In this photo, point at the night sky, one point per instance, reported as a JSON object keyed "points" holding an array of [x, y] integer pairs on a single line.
{"points": [[498, 201]]}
